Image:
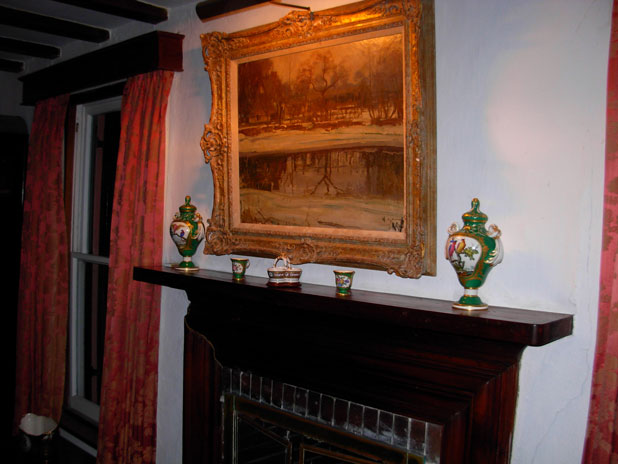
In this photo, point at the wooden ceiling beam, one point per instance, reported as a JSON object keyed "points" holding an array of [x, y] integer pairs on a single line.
{"points": [[208, 9], [11, 66], [49, 25], [131, 9], [22, 47], [145, 53]]}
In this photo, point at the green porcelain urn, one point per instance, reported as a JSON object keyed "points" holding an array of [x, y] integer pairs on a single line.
{"points": [[187, 231], [473, 251]]}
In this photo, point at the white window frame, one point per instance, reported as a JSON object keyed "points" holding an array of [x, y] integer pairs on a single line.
{"points": [[80, 235]]}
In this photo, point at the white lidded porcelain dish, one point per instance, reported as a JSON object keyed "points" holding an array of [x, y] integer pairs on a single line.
{"points": [[284, 276]]}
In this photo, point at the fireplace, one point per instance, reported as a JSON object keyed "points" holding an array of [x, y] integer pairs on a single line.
{"points": [[366, 378]]}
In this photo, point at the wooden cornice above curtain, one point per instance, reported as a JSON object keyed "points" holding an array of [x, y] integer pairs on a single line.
{"points": [[154, 51]]}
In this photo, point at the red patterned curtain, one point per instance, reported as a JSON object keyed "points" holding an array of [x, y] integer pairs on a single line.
{"points": [[127, 424], [44, 275], [602, 436]]}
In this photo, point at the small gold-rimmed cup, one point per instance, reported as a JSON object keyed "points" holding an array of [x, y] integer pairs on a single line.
{"points": [[343, 281], [239, 267]]}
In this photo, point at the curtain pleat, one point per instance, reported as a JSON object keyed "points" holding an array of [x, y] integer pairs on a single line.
{"points": [[44, 272], [127, 424], [602, 434]]}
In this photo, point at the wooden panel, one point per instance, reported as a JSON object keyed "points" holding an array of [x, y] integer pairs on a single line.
{"points": [[202, 413], [131, 9], [209, 9], [11, 66], [446, 379], [55, 26], [146, 53], [28, 48]]}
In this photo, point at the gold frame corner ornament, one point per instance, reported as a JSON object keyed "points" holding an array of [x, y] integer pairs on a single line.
{"points": [[411, 255]]}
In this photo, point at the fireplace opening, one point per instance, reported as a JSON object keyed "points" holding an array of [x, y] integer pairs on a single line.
{"points": [[269, 422]]}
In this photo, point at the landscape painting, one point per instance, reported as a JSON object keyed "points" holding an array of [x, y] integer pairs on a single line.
{"points": [[321, 137]]}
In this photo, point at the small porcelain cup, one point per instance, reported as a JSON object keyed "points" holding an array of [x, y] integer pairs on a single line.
{"points": [[239, 267], [343, 281]]}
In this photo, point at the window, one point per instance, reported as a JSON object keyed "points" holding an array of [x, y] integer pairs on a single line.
{"points": [[94, 170]]}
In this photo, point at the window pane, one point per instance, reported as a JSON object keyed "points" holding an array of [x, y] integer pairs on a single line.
{"points": [[97, 138], [95, 309], [106, 139]]}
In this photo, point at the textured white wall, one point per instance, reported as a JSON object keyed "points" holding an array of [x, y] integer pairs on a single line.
{"points": [[521, 116]]}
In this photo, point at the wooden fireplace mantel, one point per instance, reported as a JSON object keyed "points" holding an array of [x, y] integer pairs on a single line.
{"points": [[411, 356]]}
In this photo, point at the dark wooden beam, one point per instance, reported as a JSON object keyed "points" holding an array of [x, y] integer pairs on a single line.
{"points": [[11, 66], [49, 25], [208, 9], [28, 48], [100, 93], [146, 53], [132, 9]]}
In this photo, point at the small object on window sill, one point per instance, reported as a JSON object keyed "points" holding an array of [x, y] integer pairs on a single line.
{"points": [[37, 435], [473, 251], [187, 232], [284, 276]]}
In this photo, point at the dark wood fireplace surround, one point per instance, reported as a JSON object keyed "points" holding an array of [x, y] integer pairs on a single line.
{"points": [[412, 356]]}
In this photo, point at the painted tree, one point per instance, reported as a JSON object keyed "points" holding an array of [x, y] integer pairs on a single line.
{"points": [[320, 74], [260, 92], [380, 79]]}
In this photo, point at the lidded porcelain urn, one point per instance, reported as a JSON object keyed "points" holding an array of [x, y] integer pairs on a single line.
{"points": [[473, 251], [187, 231]]}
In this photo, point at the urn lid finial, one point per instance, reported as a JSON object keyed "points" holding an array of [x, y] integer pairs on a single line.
{"points": [[187, 207], [474, 216]]}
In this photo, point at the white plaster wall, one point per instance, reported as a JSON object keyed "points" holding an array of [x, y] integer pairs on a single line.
{"points": [[521, 117]]}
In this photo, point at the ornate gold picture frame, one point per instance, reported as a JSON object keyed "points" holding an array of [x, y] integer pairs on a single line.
{"points": [[321, 138]]}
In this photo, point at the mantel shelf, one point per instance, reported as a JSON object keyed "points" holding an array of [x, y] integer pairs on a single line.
{"points": [[520, 326]]}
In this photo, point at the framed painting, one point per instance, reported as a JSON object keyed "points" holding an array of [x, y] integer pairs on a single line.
{"points": [[321, 138]]}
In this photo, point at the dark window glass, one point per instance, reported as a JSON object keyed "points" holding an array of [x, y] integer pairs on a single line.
{"points": [[95, 305], [106, 140]]}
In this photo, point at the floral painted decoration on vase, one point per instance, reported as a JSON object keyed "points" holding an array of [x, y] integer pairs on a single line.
{"points": [[239, 267], [343, 282], [187, 232], [473, 251]]}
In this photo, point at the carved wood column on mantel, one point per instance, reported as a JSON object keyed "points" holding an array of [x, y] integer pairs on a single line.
{"points": [[411, 356]]}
